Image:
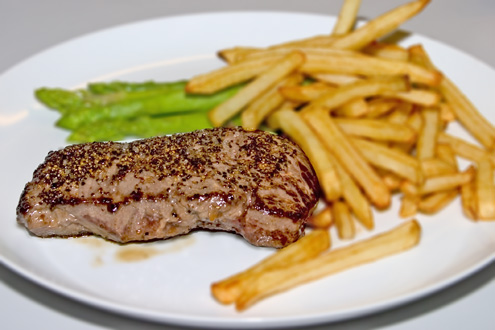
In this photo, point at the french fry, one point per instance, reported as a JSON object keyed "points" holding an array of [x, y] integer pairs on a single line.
{"points": [[347, 17], [371, 66], [415, 121], [228, 290], [446, 113], [390, 159], [408, 206], [374, 129], [468, 115], [409, 188], [322, 219], [353, 196], [305, 93], [446, 154], [261, 107], [346, 93], [435, 166], [275, 73], [231, 55], [427, 137], [336, 79], [353, 109], [314, 41], [399, 239], [291, 123], [464, 110], [224, 77], [381, 106], [343, 220], [436, 202], [406, 114], [379, 26], [391, 180], [485, 190], [348, 156], [469, 200], [401, 114], [386, 50], [426, 98], [251, 54], [463, 148], [445, 182]]}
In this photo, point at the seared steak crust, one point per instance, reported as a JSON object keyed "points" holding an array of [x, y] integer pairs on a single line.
{"points": [[256, 184]]}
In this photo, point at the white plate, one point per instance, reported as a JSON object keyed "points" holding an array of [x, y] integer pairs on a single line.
{"points": [[172, 285]]}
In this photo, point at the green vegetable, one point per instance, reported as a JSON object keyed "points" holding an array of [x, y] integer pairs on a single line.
{"points": [[140, 127], [170, 102], [116, 110]]}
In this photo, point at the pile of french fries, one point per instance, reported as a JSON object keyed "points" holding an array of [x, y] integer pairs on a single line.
{"points": [[372, 117]]}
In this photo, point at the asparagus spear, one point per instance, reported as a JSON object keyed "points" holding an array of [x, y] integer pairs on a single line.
{"points": [[139, 127], [171, 102], [102, 94]]}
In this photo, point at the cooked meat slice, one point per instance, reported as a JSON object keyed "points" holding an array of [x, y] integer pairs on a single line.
{"points": [[256, 184]]}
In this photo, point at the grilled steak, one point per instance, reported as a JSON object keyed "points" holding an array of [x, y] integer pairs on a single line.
{"points": [[256, 184]]}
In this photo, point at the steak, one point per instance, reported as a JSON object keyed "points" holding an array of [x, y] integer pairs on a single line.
{"points": [[256, 184]]}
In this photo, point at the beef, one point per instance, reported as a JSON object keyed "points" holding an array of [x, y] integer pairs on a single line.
{"points": [[256, 184]]}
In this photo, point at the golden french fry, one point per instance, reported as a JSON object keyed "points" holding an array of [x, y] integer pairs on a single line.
{"points": [[401, 114], [275, 73], [468, 115], [446, 154], [386, 50], [427, 137], [435, 166], [347, 17], [348, 155], [464, 110], [469, 200], [305, 93], [353, 196], [391, 180], [445, 182], [409, 188], [415, 121], [390, 159], [227, 76], [463, 148], [336, 79], [365, 88], [422, 97], [370, 66], [314, 41], [446, 113], [228, 290], [231, 55], [379, 26], [251, 54], [381, 106], [485, 190], [290, 122], [376, 129], [322, 219], [343, 220], [261, 107], [408, 206], [397, 240], [353, 109], [436, 202]]}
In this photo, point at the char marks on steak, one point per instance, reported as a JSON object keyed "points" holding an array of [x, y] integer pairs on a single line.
{"points": [[256, 184]]}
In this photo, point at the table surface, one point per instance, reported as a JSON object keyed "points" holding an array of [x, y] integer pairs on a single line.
{"points": [[29, 26]]}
